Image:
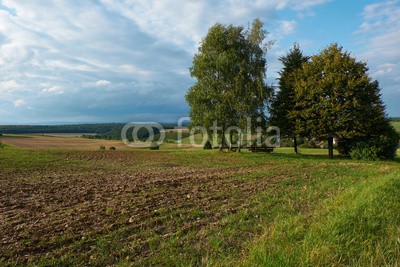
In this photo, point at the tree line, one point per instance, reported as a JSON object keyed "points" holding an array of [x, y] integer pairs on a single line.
{"points": [[100, 128], [107, 131], [328, 96]]}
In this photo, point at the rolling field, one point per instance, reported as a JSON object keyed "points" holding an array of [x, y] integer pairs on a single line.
{"points": [[58, 141], [65, 206]]}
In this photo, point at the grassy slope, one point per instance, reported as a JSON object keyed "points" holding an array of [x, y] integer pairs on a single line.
{"points": [[312, 211], [396, 125], [359, 227]]}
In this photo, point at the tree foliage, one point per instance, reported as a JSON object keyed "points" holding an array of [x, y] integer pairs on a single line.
{"points": [[230, 70], [335, 98], [283, 102], [382, 145]]}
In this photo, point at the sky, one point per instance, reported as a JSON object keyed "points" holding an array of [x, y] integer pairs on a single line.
{"points": [[72, 61]]}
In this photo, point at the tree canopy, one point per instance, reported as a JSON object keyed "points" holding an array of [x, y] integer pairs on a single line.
{"points": [[230, 71], [335, 97], [283, 102], [326, 96]]}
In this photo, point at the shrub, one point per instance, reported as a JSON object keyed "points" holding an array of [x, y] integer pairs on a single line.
{"points": [[207, 145], [1, 145], [365, 150], [102, 148], [380, 147], [112, 148], [154, 146]]}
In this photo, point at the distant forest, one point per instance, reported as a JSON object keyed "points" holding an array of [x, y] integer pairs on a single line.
{"points": [[109, 131]]}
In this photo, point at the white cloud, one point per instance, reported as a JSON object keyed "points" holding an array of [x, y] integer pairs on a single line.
{"points": [[19, 102], [97, 84], [386, 68], [64, 65], [102, 83], [287, 27], [186, 29], [381, 29], [53, 90], [380, 33], [10, 85], [139, 51]]}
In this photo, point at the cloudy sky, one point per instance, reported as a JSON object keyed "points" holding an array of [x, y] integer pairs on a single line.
{"points": [[64, 61]]}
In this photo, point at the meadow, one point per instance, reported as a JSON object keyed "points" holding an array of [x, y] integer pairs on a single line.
{"points": [[72, 205]]}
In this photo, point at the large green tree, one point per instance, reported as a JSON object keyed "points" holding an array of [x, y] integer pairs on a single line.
{"points": [[283, 102], [335, 98], [229, 69]]}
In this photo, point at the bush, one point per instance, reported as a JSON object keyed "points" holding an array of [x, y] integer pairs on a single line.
{"points": [[1, 145], [380, 147], [154, 146], [112, 148], [102, 148], [365, 150], [207, 145]]}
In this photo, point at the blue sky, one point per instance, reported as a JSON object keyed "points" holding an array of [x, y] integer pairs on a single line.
{"points": [[118, 61]]}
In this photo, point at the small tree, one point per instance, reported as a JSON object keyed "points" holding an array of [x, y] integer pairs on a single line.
{"points": [[284, 102], [335, 98], [207, 145]]}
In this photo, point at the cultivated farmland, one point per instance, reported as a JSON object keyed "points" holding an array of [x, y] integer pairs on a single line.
{"points": [[192, 207]]}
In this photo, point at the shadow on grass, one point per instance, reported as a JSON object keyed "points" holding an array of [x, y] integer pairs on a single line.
{"points": [[323, 157], [309, 156]]}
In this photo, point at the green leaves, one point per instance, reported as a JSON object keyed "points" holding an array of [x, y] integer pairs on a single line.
{"points": [[335, 97], [230, 72], [284, 101], [335, 92]]}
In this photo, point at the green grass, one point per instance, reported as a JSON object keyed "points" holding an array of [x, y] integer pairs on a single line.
{"points": [[396, 125], [276, 209], [359, 227]]}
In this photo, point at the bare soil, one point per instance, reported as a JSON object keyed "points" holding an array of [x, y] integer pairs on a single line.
{"points": [[64, 206], [60, 141]]}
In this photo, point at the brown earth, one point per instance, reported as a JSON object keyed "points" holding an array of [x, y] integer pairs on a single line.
{"points": [[63, 205], [59, 141]]}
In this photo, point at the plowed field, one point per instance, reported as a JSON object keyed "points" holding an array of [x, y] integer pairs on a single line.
{"points": [[54, 141], [78, 207]]}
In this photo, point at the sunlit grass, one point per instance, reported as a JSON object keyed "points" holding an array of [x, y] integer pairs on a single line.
{"points": [[396, 125]]}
